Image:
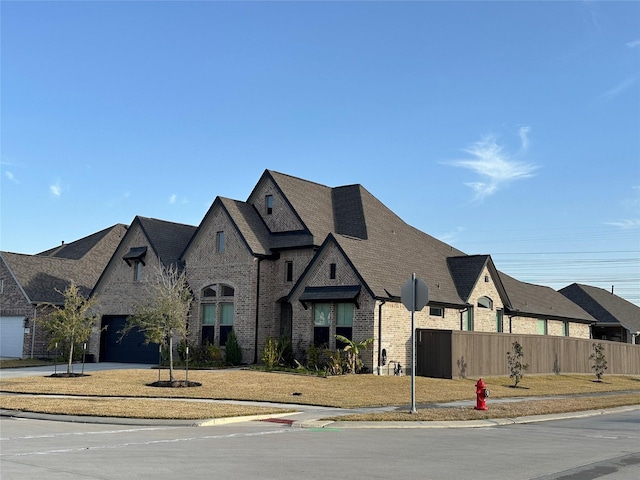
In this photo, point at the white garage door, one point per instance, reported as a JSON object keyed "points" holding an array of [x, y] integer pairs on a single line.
{"points": [[11, 336]]}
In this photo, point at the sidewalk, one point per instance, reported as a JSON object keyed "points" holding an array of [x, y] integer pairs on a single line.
{"points": [[307, 416]]}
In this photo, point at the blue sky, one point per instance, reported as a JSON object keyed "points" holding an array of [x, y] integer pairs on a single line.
{"points": [[508, 128]]}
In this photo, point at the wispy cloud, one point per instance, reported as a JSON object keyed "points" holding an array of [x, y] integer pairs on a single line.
{"points": [[11, 176], [618, 89], [452, 236], [173, 198], [56, 188], [626, 224], [495, 166], [633, 44]]}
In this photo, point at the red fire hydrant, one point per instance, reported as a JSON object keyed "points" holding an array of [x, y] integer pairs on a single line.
{"points": [[481, 394]]}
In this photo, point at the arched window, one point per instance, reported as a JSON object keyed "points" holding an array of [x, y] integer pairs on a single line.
{"points": [[485, 302], [210, 291], [217, 309]]}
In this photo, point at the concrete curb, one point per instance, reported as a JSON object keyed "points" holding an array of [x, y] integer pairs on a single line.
{"points": [[147, 422], [315, 424], [490, 422]]}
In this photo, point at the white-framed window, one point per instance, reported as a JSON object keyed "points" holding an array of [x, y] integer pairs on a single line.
{"points": [[436, 311], [565, 329]]}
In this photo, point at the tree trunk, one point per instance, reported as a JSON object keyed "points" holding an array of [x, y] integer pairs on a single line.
{"points": [[171, 358], [70, 357]]}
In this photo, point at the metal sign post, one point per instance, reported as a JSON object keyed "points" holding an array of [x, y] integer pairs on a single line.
{"points": [[414, 296]]}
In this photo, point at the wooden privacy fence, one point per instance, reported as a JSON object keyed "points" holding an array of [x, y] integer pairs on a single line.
{"points": [[454, 353]]}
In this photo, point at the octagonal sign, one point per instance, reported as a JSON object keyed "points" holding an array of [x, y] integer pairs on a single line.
{"points": [[421, 294]]}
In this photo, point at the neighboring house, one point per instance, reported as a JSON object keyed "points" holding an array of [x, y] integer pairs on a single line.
{"points": [[147, 244], [309, 261], [616, 318], [28, 283]]}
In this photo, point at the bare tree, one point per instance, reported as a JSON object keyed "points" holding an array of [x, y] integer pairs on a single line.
{"points": [[70, 324], [165, 314]]}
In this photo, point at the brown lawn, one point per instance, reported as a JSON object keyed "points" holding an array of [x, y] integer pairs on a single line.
{"points": [[341, 391]]}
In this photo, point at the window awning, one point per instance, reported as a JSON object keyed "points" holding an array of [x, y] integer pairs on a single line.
{"points": [[343, 293], [136, 254]]}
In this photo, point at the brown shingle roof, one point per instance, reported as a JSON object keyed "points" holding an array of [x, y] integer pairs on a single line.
{"points": [[250, 224], [79, 248], [168, 239], [604, 306], [538, 300], [41, 275], [393, 250], [311, 201]]}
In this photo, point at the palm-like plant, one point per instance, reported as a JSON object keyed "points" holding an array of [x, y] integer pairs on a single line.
{"points": [[352, 351]]}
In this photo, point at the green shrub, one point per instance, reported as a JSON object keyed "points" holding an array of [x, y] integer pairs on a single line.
{"points": [[232, 352], [200, 356]]}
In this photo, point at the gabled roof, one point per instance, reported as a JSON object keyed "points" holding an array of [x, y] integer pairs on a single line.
{"points": [[167, 239], [250, 225], [538, 300], [311, 201], [604, 306], [385, 251], [79, 248], [41, 275]]}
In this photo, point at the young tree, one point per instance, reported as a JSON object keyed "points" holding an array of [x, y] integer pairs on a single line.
{"points": [[516, 364], [352, 350], [165, 314], [599, 360], [70, 324]]}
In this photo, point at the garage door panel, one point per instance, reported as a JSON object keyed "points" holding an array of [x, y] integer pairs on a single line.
{"points": [[11, 336], [129, 349]]}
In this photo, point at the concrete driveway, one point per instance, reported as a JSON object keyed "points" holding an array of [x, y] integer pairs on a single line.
{"points": [[62, 367]]}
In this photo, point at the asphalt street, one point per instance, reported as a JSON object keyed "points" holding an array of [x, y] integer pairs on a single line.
{"points": [[591, 445], [602, 446]]}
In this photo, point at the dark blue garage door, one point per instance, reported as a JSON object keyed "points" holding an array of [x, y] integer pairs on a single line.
{"points": [[130, 349]]}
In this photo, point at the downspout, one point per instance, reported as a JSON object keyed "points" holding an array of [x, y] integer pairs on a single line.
{"points": [[380, 336], [255, 342], [461, 317]]}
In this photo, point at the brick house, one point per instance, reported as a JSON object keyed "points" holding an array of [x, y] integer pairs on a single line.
{"points": [[28, 283], [147, 243], [617, 319], [310, 261]]}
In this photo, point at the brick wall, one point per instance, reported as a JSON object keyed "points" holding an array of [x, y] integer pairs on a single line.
{"points": [[118, 292], [282, 217]]}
